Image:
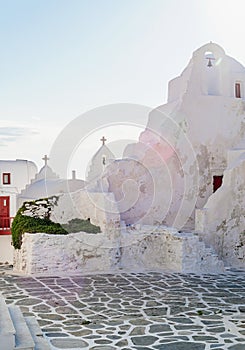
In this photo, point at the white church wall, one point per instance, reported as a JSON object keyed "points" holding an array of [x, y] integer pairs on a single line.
{"points": [[99, 207], [222, 220], [201, 121]]}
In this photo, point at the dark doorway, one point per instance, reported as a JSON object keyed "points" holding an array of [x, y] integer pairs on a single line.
{"points": [[4, 215], [217, 182]]}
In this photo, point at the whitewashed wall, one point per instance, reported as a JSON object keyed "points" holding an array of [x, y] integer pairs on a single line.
{"points": [[201, 121], [222, 220], [99, 207], [149, 249]]}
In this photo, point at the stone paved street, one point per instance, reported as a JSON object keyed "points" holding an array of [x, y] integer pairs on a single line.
{"points": [[151, 310]]}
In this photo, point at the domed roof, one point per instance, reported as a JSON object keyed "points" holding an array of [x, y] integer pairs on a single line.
{"points": [[46, 183]]}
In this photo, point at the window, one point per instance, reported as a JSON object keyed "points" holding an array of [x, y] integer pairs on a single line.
{"points": [[6, 179], [238, 90]]}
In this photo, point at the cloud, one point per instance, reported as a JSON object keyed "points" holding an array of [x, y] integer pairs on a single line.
{"points": [[12, 133]]}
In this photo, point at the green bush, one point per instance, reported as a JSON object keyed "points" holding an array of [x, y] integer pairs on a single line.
{"points": [[77, 225], [23, 223]]}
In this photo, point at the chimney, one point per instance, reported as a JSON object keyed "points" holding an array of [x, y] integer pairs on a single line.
{"points": [[73, 174]]}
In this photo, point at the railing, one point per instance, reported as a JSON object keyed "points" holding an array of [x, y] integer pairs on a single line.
{"points": [[5, 225]]}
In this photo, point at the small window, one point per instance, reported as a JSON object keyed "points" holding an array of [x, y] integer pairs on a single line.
{"points": [[6, 179], [238, 90]]}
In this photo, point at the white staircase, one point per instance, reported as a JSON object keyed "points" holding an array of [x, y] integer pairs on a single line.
{"points": [[18, 332], [201, 259]]}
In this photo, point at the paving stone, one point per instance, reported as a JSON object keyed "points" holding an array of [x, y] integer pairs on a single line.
{"points": [[181, 346], [160, 311], [205, 338], [130, 297], [237, 346], [52, 316], [92, 336], [65, 310], [144, 340], [157, 328], [227, 335], [28, 301], [113, 337], [41, 308], [140, 322], [60, 334], [122, 343], [138, 331], [81, 332], [103, 348], [52, 329], [69, 343], [216, 330]]}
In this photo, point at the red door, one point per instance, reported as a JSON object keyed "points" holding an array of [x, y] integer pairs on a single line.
{"points": [[4, 215], [217, 182]]}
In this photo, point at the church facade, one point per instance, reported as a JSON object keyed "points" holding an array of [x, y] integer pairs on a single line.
{"points": [[189, 161]]}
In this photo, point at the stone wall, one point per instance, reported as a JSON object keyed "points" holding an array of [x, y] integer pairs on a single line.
{"points": [[133, 250]]}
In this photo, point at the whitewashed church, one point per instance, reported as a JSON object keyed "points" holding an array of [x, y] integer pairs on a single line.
{"points": [[189, 215]]}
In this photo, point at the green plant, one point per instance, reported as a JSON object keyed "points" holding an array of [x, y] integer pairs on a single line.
{"points": [[78, 225], [23, 223]]}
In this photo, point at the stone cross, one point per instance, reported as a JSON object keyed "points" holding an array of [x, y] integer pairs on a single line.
{"points": [[45, 158], [103, 140]]}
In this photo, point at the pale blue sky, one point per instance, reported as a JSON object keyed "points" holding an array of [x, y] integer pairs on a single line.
{"points": [[60, 58]]}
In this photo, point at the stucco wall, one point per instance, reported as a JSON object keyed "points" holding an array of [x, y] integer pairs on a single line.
{"points": [[99, 207], [6, 249], [149, 249], [222, 220], [185, 143]]}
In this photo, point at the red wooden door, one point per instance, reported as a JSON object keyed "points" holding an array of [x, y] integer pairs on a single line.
{"points": [[217, 182], [4, 213]]}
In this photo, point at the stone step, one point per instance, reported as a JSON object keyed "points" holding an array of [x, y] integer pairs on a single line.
{"points": [[40, 342], [23, 338], [7, 330]]}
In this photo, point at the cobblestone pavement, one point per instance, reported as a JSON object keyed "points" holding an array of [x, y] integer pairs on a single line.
{"points": [[151, 310]]}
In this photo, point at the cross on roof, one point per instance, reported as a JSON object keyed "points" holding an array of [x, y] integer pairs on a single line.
{"points": [[103, 140], [45, 158]]}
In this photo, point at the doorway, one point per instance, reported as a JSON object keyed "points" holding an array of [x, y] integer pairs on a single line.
{"points": [[217, 182], [4, 215]]}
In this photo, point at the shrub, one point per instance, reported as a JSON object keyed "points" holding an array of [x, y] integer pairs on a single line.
{"points": [[23, 223], [77, 225]]}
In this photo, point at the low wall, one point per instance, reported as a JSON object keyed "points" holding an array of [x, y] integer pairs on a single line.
{"points": [[100, 207], [81, 252]]}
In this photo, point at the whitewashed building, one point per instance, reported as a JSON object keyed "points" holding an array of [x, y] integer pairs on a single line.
{"points": [[46, 183], [189, 161], [14, 175], [20, 182], [182, 154]]}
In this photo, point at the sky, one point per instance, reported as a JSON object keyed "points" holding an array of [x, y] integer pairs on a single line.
{"points": [[62, 58]]}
